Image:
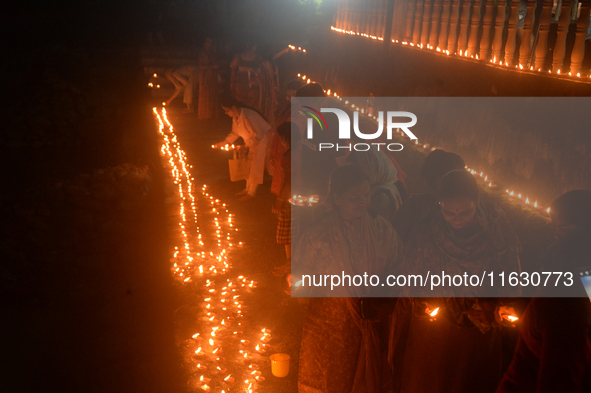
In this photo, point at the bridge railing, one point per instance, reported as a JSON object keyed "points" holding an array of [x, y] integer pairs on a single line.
{"points": [[512, 33]]}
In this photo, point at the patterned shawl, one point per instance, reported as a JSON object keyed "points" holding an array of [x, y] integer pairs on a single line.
{"points": [[381, 173], [433, 246]]}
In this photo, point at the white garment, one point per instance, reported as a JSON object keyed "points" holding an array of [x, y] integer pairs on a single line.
{"points": [[252, 128]]}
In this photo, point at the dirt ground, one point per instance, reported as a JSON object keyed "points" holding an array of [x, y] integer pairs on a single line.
{"points": [[255, 260], [266, 304], [88, 298]]}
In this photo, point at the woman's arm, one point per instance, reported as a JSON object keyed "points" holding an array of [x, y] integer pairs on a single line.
{"points": [[231, 138], [278, 55]]}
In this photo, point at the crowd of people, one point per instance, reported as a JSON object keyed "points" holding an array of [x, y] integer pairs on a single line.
{"points": [[251, 77], [458, 342], [366, 222]]}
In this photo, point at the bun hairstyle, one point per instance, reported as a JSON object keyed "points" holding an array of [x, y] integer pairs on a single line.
{"points": [[294, 84], [343, 179], [438, 163], [459, 184], [573, 207], [228, 101]]}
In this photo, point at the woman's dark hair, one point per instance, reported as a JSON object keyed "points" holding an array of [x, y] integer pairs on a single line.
{"points": [[459, 184], [285, 131], [344, 178], [294, 84], [574, 207], [249, 44], [229, 101], [438, 163], [310, 90]]}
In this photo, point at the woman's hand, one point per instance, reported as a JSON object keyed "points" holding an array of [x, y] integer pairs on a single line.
{"points": [[427, 310], [506, 315], [484, 313]]}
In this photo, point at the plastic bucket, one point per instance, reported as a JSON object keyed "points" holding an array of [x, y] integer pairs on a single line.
{"points": [[280, 364]]}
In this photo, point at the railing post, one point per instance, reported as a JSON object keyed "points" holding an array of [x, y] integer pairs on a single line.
{"points": [[474, 24], [372, 11], [464, 26], [381, 18], [563, 24], [576, 59], [444, 24], [426, 22], [338, 15], [499, 27], [410, 17], [435, 23], [512, 32], [452, 40], [487, 29], [527, 38], [416, 35], [346, 15], [364, 18], [358, 11], [542, 45], [398, 17]]}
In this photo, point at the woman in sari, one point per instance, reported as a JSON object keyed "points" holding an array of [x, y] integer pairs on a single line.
{"points": [[277, 147], [381, 172], [553, 353], [252, 128], [244, 81], [460, 351], [183, 79], [437, 164], [208, 77], [341, 349]]}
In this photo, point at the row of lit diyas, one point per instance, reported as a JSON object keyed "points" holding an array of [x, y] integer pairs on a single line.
{"points": [[226, 147], [464, 55], [373, 37], [488, 182], [223, 308], [152, 85], [299, 200], [296, 48], [291, 47]]}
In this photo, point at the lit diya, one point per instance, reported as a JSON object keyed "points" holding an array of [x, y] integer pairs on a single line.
{"points": [[510, 318], [434, 312], [299, 200]]}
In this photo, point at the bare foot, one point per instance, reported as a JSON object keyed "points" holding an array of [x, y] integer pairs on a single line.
{"points": [[246, 198], [243, 192]]}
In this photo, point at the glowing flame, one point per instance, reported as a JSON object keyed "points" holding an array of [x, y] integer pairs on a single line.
{"points": [[434, 312]]}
